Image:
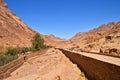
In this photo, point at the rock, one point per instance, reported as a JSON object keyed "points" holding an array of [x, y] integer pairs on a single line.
{"points": [[110, 51]]}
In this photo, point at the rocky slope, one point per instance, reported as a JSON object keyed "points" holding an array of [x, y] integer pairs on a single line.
{"points": [[54, 41], [97, 40], [15, 33]]}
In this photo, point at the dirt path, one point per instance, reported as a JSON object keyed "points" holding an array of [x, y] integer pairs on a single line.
{"points": [[52, 65]]}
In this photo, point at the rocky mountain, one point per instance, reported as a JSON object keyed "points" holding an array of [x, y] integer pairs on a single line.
{"points": [[55, 41], [15, 33], [99, 32], [107, 36]]}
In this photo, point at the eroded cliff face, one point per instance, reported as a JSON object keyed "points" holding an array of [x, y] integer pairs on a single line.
{"points": [[13, 31]]}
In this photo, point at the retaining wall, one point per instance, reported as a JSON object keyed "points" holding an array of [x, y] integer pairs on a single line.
{"points": [[12, 66], [94, 69]]}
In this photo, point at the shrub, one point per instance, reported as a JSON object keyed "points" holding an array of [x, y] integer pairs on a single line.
{"points": [[32, 49], [13, 51], [24, 50], [6, 58], [1, 59], [38, 42], [12, 54]]}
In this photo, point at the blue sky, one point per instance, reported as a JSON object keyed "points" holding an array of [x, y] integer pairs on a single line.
{"points": [[65, 18]]}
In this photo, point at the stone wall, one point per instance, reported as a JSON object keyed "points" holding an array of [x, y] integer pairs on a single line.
{"points": [[94, 69], [12, 66]]}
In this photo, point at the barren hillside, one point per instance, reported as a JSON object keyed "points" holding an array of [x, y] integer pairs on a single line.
{"points": [[104, 37], [54, 41], [15, 33]]}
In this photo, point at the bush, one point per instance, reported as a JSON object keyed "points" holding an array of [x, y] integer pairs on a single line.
{"points": [[38, 42], [26, 49], [32, 49], [12, 54], [6, 58], [13, 51]]}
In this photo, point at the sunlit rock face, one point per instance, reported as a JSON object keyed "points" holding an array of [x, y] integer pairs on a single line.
{"points": [[104, 37], [13, 32]]}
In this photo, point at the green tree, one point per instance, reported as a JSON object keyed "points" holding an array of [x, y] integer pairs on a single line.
{"points": [[38, 42], [13, 51]]}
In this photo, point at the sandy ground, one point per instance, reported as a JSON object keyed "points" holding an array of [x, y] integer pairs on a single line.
{"points": [[52, 65]]}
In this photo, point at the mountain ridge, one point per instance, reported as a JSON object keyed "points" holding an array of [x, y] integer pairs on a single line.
{"points": [[15, 33], [104, 37]]}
